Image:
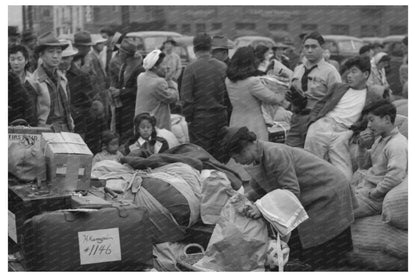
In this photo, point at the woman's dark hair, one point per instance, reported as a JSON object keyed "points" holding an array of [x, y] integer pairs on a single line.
{"points": [[234, 142], [361, 62], [107, 137], [14, 49], [242, 64], [160, 60], [260, 51], [382, 108], [138, 119]]}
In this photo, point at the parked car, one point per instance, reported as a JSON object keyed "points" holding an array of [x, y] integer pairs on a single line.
{"points": [[372, 40], [147, 41], [185, 49], [342, 47]]}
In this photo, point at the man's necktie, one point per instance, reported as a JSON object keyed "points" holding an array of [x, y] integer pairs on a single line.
{"points": [[304, 79]]}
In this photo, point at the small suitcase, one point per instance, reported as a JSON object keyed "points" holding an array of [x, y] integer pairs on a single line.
{"points": [[108, 239], [26, 201]]}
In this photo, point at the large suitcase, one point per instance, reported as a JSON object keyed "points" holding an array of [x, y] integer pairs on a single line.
{"points": [[108, 239]]}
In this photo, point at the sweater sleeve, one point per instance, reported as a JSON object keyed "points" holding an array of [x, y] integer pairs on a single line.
{"points": [[167, 92], [396, 155]]}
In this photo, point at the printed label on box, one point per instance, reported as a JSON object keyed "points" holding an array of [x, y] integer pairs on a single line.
{"points": [[99, 246], [12, 226], [62, 171]]}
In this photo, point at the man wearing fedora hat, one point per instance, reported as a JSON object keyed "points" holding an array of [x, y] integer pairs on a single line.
{"points": [[53, 97], [172, 60], [220, 48], [124, 93]]}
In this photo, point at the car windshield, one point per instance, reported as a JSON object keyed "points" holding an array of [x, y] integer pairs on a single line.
{"points": [[349, 46], [152, 43]]}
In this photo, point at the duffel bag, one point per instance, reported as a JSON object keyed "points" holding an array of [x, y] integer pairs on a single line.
{"points": [[108, 239]]}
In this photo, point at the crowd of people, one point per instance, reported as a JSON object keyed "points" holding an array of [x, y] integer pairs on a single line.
{"points": [[102, 88]]}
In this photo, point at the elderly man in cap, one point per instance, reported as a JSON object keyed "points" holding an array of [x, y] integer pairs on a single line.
{"points": [[309, 84], [124, 93], [220, 47], [156, 90], [53, 97], [172, 60], [203, 93]]}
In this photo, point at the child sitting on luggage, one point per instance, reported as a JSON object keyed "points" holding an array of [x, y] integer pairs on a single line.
{"points": [[386, 161], [110, 145], [145, 141]]}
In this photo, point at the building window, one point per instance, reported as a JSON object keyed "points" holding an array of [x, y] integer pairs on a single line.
{"points": [[46, 13], [216, 26], [186, 28], [278, 27], [114, 8], [172, 27], [370, 30], [340, 29], [309, 28], [200, 27], [398, 30], [245, 26]]}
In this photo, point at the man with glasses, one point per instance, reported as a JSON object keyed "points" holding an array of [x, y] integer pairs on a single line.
{"points": [[310, 83]]}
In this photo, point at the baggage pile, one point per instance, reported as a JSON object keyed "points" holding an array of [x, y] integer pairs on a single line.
{"points": [[169, 212]]}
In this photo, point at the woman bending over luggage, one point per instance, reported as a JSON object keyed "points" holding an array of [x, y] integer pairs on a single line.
{"points": [[145, 141], [322, 240], [110, 146]]}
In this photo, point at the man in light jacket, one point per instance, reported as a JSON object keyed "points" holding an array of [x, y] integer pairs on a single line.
{"points": [[53, 97]]}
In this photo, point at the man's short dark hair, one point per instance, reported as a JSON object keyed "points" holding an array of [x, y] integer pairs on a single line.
{"points": [[382, 108], [316, 36], [202, 42], [365, 49], [361, 62]]}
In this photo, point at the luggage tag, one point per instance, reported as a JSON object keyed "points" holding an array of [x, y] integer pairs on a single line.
{"points": [[99, 246]]}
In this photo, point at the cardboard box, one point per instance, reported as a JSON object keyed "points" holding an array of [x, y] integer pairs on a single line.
{"points": [[31, 135], [68, 161]]}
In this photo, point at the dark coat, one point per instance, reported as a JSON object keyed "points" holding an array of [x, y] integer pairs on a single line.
{"points": [[21, 101], [82, 93], [322, 189], [128, 92], [204, 97]]}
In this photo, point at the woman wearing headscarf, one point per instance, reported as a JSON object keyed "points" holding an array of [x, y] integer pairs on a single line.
{"points": [[247, 93], [155, 90], [322, 189]]}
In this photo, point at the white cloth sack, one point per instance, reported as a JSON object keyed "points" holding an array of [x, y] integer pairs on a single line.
{"points": [[282, 209]]}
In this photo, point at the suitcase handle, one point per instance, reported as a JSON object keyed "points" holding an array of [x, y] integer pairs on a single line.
{"points": [[70, 215]]}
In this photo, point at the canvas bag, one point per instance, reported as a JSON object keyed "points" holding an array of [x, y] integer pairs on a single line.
{"points": [[238, 243], [215, 193], [26, 161]]}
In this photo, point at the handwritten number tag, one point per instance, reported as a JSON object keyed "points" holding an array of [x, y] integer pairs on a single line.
{"points": [[99, 246]]}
